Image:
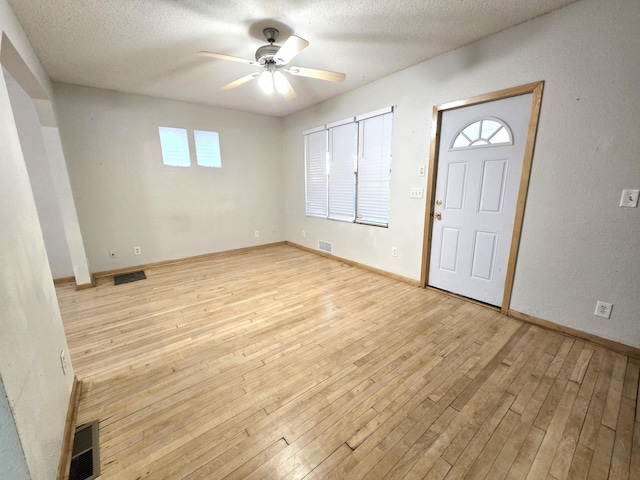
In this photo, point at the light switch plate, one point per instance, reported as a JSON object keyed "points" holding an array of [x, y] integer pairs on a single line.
{"points": [[629, 198], [415, 193]]}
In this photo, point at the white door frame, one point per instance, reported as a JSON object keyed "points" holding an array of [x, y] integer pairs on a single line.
{"points": [[534, 88]]}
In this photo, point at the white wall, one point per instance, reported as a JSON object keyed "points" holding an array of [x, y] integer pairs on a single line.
{"points": [[126, 197], [577, 245], [36, 159], [32, 332]]}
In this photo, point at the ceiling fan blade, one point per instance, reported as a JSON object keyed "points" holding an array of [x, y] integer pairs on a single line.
{"points": [[222, 56], [240, 81], [319, 74], [289, 49]]}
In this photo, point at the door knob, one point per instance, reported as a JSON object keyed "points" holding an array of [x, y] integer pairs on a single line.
{"points": [[438, 215]]}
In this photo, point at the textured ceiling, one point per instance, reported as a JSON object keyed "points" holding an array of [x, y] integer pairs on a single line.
{"points": [[149, 46]]}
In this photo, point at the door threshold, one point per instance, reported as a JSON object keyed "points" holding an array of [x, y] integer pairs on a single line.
{"points": [[466, 299]]}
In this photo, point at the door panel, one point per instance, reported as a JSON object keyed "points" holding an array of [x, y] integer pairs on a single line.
{"points": [[494, 177], [456, 181], [449, 251], [484, 253], [475, 196]]}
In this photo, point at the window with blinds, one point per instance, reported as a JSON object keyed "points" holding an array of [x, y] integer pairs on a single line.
{"points": [[348, 169], [343, 148], [207, 148], [315, 154], [174, 143], [374, 169]]}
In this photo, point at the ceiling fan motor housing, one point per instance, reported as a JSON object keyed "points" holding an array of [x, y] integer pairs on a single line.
{"points": [[265, 53]]}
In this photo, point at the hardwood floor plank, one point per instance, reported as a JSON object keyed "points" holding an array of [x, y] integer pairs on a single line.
{"points": [[591, 426], [328, 465], [630, 389], [580, 464], [623, 443], [580, 369], [439, 470], [599, 469], [486, 457], [526, 454], [470, 455], [278, 363], [634, 466], [612, 403], [544, 458], [481, 378]]}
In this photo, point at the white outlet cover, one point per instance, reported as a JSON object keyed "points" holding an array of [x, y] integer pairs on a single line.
{"points": [[629, 198], [63, 361], [603, 309]]}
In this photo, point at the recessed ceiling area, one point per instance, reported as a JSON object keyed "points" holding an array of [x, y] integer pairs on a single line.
{"points": [[150, 47]]}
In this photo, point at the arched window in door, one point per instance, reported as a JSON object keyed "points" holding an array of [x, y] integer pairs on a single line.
{"points": [[486, 132]]}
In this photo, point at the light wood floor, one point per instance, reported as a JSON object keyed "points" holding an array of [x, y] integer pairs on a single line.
{"points": [[279, 363]]}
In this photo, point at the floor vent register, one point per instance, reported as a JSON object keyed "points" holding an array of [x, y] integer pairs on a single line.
{"points": [[85, 456], [128, 277]]}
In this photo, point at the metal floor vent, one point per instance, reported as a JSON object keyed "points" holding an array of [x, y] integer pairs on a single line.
{"points": [[324, 246], [128, 277], [85, 456]]}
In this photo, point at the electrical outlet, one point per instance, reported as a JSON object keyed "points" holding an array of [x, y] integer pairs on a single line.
{"points": [[63, 361], [629, 198], [257, 233], [112, 254], [304, 233], [421, 170], [394, 251], [603, 309], [137, 251]]}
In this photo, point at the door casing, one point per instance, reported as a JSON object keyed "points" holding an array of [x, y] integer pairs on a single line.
{"points": [[534, 88]]}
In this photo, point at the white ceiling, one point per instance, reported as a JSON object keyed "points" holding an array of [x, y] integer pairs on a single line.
{"points": [[149, 46]]}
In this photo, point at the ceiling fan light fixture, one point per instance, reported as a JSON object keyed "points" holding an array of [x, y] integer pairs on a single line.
{"points": [[266, 82], [281, 83]]}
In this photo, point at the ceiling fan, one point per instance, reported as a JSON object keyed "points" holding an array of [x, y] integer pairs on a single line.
{"points": [[273, 60]]}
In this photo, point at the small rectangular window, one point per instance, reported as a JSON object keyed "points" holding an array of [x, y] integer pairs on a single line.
{"points": [[207, 148], [175, 146]]}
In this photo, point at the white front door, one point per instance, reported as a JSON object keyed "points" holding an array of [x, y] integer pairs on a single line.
{"points": [[478, 175]]}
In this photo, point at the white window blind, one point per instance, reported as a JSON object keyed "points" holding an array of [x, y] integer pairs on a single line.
{"points": [[175, 147], [343, 147], [207, 148], [374, 169], [315, 150], [348, 169]]}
